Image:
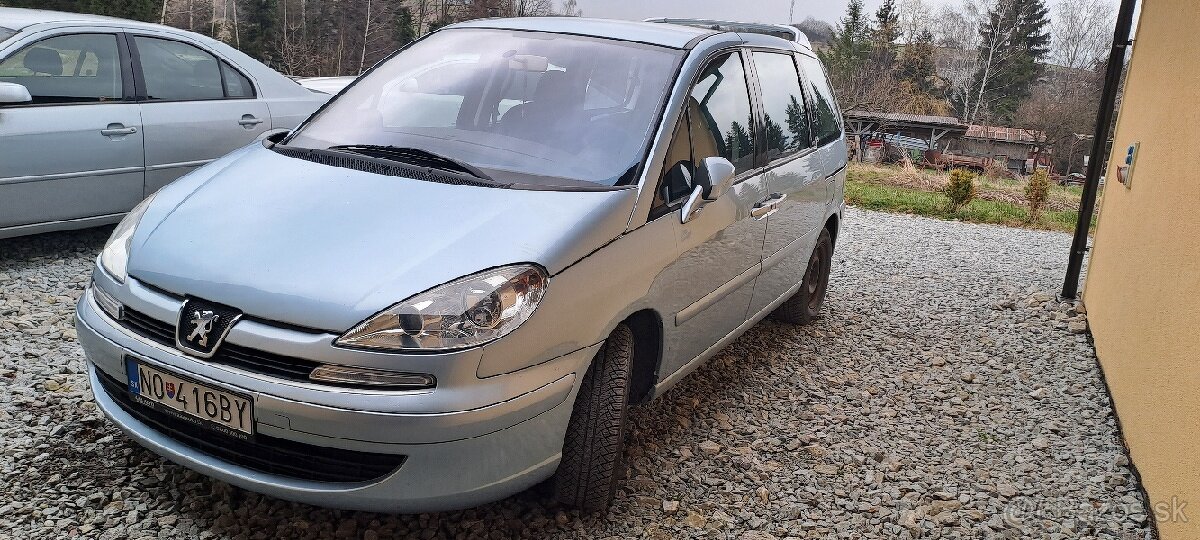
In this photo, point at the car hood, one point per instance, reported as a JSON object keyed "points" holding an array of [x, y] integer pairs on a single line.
{"points": [[323, 247]]}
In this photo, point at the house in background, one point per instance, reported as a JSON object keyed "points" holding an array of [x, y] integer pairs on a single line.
{"points": [[1142, 290]]}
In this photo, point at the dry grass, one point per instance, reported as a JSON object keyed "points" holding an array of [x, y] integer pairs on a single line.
{"points": [[909, 189], [989, 188]]}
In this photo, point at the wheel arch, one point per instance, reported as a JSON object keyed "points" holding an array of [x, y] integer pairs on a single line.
{"points": [[831, 225], [647, 327]]}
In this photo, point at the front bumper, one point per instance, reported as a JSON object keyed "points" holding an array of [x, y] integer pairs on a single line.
{"points": [[455, 457]]}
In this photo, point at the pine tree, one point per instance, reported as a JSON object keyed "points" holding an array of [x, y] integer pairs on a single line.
{"points": [[917, 63], [883, 38], [1015, 39], [259, 26], [141, 10], [851, 46], [405, 30]]}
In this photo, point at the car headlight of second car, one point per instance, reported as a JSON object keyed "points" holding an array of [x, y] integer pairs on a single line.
{"points": [[466, 312], [115, 257]]}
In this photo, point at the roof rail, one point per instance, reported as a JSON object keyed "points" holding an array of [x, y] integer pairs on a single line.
{"points": [[789, 33]]}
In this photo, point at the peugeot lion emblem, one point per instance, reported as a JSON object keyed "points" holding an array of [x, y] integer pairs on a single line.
{"points": [[203, 325], [202, 322]]}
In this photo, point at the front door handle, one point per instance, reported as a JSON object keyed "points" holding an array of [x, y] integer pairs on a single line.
{"points": [[767, 206], [248, 120], [116, 130]]}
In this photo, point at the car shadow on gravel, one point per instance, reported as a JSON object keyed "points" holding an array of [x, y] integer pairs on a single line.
{"points": [[21, 252]]}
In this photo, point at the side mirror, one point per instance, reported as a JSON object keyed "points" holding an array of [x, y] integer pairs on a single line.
{"points": [[715, 175], [713, 179], [14, 93], [271, 137]]}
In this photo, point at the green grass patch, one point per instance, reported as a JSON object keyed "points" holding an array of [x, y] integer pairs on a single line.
{"points": [[875, 196]]}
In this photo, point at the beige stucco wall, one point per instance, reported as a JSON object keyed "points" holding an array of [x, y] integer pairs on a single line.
{"points": [[1143, 283]]}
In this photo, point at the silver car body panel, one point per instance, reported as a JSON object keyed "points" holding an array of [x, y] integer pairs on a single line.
{"points": [[307, 251], [57, 171], [411, 231], [326, 85]]}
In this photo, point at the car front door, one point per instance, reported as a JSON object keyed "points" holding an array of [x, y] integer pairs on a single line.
{"points": [[795, 175], [195, 107], [708, 288], [75, 151]]}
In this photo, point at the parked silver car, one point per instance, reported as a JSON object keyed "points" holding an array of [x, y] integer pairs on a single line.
{"points": [[96, 113], [450, 283]]}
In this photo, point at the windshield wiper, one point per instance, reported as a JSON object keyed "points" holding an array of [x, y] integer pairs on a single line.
{"points": [[415, 156]]}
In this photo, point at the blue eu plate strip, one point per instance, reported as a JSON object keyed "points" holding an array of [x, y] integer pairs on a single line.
{"points": [[131, 369]]}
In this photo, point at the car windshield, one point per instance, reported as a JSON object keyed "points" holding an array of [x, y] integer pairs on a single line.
{"points": [[527, 108], [6, 33]]}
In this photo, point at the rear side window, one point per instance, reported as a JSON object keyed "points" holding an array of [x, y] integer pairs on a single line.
{"points": [[76, 68], [785, 116], [176, 71], [826, 123], [236, 84], [719, 113]]}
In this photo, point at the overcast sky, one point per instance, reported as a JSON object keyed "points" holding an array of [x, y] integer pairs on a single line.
{"points": [[770, 11]]}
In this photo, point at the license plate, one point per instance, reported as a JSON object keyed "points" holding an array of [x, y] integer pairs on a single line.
{"points": [[227, 412]]}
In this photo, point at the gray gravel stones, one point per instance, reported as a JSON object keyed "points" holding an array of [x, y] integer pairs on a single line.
{"points": [[945, 394]]}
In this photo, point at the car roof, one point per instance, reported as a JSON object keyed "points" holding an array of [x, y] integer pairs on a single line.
{"points": [[666, 35], [18, 18]]}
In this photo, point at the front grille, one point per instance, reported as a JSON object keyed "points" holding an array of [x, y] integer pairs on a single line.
{"points": [[263, 453], [283, 367]]}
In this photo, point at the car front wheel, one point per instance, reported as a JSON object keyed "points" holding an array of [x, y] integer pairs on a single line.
{"points": [[595, 442]]}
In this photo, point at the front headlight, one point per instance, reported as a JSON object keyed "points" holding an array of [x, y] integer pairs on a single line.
{"points": [[115, 256], [466, 312]]}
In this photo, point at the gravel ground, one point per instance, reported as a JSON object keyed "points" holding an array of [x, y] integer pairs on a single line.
{"points": [[944, 395]]}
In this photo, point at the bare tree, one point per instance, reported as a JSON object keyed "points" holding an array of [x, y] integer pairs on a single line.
{"points": [[1081, 33], [571, 9], [915, 18]]}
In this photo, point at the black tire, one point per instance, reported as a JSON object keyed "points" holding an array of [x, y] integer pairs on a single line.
{"points": [[592, 458], [805, 306]]}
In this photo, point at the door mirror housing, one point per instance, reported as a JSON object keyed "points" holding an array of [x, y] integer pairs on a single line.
{"points": [[14, 93], [715, 175], [272, 137], [713, 178]]}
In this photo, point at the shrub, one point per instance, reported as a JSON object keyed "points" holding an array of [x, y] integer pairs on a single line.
{"points": [[1037, 192], [961, 188]]}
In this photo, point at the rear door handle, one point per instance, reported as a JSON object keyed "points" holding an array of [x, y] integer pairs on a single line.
{"points": [[114, 130], [768, 206], [249, 120]]}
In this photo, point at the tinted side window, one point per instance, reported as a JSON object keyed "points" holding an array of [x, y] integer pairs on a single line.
{"points": [[785, 115], [176, 71], [827, 125], [67, 69], [676, 181], [719, 113], [236, 84]]}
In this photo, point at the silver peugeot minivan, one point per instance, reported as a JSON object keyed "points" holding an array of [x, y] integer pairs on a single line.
{"points": [[451, 282]]}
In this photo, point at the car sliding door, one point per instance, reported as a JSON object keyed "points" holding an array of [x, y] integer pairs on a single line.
{"points": [[195, 107], [75, 151], [795, 174], [826, 123]]}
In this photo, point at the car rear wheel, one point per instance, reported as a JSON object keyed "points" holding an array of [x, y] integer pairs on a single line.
{"points": [[805, 306], [593, 450]]}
